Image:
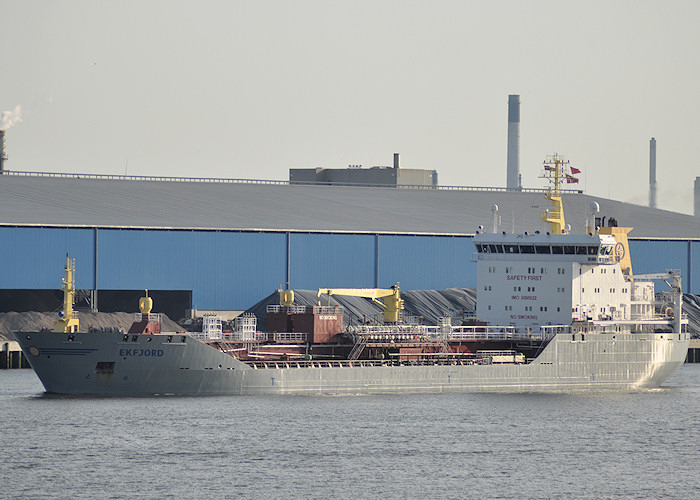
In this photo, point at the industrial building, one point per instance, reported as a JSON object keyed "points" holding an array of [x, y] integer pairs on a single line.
{"points": [[227, 244], [356, 175]]}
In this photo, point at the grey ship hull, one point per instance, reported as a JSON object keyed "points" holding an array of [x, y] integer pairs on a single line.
{"points": [[106, 364]]}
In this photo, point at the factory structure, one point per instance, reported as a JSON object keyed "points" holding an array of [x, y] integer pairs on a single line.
{"points": [[224, 245], [375, 176]]}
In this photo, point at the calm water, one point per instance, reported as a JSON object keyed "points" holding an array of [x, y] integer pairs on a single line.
{"points": [[609, 444]]}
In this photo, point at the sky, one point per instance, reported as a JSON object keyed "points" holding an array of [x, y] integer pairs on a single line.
{"points": [[250, 89]]}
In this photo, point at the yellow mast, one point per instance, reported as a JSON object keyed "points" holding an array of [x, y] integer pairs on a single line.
{"points": [[69, 322], [554, 171]]}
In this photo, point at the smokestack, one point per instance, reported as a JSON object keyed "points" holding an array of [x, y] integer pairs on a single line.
{"points": [[513, 169], [652, 173], [396, 160], [7, 119], [3, 156]]}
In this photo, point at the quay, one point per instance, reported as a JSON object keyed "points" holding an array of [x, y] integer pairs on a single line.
{"points": [[693, 351], [11, 356]]}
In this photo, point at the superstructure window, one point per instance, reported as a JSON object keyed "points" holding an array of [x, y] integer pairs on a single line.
{"points": [[592, 250], [511, 249], [542, 249], [527, 249], [496, 248], [557, 249], [569, 250]]}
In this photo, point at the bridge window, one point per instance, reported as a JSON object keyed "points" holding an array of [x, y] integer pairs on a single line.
{"points": [[527, 249], [542, 249], [557, 249]]}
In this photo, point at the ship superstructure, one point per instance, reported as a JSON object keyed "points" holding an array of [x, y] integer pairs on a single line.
{"points": [[555, 311]]}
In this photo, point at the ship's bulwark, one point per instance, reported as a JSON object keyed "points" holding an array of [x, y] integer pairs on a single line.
{"points": [[102, 363]]}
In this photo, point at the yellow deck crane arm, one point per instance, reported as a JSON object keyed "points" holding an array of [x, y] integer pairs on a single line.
{"points": [[392, 303]]}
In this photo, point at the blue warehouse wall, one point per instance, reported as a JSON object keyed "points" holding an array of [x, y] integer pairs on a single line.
{"points": [[654, 256], [331, 260], [34, 257], [694, 275], [224, 270], [426, 262], [232, 270]]}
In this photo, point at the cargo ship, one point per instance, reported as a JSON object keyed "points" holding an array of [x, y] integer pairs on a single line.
{"points": [[556, 311]]}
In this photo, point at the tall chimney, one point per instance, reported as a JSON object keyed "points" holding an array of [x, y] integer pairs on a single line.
{"points": [[396, 161], [3, 156], [513, 169], [652, 173]]}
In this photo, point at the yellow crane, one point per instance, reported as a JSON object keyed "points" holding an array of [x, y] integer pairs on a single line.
{"points": [[392, 303]]}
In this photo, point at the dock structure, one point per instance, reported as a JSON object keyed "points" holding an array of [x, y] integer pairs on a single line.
{"points": [[11, 356], [693, 351]]}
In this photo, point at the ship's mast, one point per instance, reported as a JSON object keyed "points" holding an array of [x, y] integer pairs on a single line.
{"points": [[554, 166], [68, 323]]}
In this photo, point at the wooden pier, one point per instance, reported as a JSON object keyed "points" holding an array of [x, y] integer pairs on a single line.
{"points": [[11, 356], [693, 351]]}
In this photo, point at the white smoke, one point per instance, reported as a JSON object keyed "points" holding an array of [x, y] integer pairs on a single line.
{"points": [[9, 118]]}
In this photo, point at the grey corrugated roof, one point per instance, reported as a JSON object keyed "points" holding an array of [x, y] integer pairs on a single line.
{"points": [[123, 202]]}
